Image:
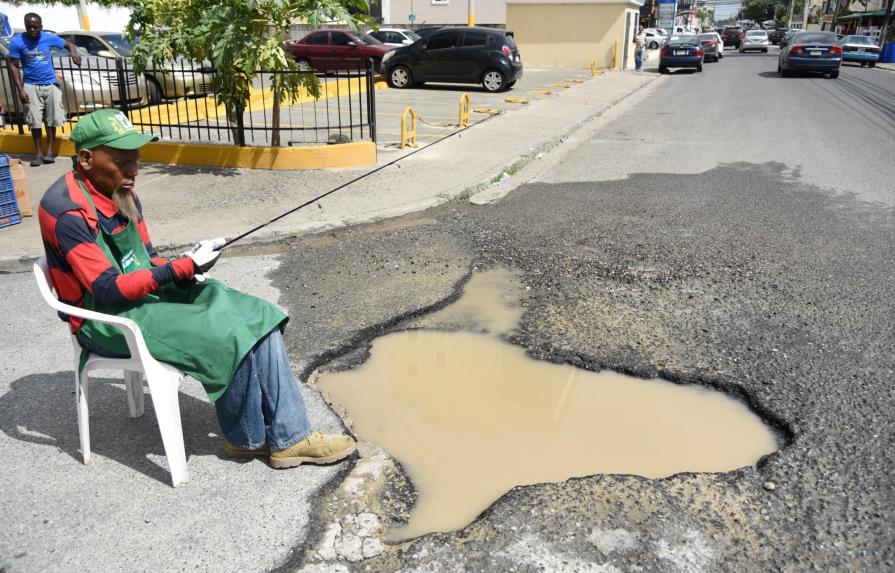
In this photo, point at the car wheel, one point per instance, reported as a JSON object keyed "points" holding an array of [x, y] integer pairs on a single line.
{"points": [[493, 81], [863, 64], [153, 91], [871, 64], [400, 77], [653, 46], [765, 51], [304, 65], [834, 75], [699, 68], [663, 70]]}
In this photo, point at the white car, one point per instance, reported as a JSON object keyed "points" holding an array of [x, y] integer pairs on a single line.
{"points": [[655, 38], [395, 36], [755, 40]]}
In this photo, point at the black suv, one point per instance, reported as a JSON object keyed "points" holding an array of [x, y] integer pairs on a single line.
{"points": [[732, 37], [457, 55], [775, 36]]}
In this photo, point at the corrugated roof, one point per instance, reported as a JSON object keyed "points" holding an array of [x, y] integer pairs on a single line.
{"points": [[856, 15]]}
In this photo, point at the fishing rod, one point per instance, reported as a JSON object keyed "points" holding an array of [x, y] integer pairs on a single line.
{"points": [[355, 180]]}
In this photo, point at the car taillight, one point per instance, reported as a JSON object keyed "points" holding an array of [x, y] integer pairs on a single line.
{"points": [[665, 52], [874, 50], [710, 43], [507, 51], [699, 52], [796, 49], [836, 50]]}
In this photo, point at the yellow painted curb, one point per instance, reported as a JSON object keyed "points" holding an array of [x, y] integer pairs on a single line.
{"points": [[357, 154]]}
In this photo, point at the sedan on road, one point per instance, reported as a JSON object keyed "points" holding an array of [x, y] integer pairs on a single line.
{"points": [[732, 37], [712, 45], [681, 51], [862, 49], [755, 40], [811, 52], [457, 55], [655, 38]]}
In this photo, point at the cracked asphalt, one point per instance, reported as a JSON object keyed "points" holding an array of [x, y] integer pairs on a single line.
{"points": [[749, 277]]}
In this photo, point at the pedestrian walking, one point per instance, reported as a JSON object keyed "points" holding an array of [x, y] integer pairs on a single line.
{"points": [[31, 62], [639, 49], [101, 258]]}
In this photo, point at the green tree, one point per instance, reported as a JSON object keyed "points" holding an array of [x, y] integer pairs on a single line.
{"points": [[239, 38]]}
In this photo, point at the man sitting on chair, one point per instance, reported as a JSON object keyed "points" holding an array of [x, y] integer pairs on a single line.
{"points": [[101, 258]]}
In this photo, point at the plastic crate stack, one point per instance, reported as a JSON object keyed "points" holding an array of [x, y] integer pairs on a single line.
{"points": [[9, 205]]}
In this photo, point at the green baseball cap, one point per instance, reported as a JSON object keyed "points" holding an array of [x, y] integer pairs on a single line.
{"points": [[108, 127]]}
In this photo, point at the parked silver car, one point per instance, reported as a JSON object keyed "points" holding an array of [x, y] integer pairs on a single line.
{"points": [[755, 40], [177, 79]]}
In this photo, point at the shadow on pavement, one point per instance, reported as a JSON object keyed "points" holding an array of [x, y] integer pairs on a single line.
{"points": [[171, 169], [40, 409]]}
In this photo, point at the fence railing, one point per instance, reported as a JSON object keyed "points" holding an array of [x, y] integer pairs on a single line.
{"points": [[177, 103]]}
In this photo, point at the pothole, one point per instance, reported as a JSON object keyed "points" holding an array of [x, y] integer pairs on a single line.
{"points": [[470, 416]]}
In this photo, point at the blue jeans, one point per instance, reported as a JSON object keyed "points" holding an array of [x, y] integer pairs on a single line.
{"points": [[263, 402], [638, 59]]}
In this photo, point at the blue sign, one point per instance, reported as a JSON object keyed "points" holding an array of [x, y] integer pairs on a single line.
{"points": [[411, 17]]}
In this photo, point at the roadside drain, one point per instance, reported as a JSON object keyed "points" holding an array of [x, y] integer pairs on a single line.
{"points": [[469, 416]]}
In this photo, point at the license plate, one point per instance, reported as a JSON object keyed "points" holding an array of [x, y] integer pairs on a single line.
{"points": [[680, 52], [814, 52]]}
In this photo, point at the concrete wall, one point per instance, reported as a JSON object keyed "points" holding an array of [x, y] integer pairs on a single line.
{"points": [[588, 32], [59, 17], [433, 12]]}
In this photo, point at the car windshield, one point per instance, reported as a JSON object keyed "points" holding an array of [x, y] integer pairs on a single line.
{"points": [[815, 38], [756, 33], [120, 43], [866, 40], [365, 38], [412, 35]]}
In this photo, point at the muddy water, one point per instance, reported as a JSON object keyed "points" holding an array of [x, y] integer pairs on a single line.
{"points": [[470, 416]]}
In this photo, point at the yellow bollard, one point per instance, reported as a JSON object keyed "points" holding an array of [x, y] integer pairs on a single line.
{"points": [[463, 112], [615, 55], [593, 67], [408, 134]]}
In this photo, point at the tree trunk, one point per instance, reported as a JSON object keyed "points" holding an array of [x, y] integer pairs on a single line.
{"points": [[275, 113]]}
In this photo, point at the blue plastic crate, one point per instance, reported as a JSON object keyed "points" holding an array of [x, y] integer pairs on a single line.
{"points": [[11, 220], [9, 205]]}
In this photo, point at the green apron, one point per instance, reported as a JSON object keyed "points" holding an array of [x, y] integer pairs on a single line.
{"points": [[203, 329]]}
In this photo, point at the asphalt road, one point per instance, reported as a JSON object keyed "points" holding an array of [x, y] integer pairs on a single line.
{"points": [[730, 229]]}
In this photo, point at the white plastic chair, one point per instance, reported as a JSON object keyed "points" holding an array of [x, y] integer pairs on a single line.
{"points": [[163, 379]]}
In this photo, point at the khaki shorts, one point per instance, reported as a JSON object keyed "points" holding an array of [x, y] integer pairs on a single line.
{"points": [[44, 106]]}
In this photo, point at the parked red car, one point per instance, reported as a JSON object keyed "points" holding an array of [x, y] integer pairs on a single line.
{"points": [[336, 50]]}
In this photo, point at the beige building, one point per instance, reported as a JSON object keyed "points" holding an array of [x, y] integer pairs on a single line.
{"points": [[442, 12], [574, 33]]}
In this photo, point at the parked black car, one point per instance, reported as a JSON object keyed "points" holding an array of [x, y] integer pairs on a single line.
{"points": [[733, 37], [681, 51], [457, 55]]}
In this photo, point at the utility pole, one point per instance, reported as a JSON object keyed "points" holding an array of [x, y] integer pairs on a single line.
{"points": [[82, 15], [805, 17], [885, 28], [470, 20], [792, 6]]}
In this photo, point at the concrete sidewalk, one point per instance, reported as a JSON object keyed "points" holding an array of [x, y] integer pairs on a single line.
{"points": [[186, 204]]}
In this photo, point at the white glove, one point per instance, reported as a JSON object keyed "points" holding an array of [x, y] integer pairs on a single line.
{"points": [[205, 254]]}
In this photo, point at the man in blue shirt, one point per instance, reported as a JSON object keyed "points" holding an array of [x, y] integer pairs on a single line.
{"points": [[30, 56]]}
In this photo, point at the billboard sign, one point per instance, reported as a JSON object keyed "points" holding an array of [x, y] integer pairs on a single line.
{"points": [[665, 14]]}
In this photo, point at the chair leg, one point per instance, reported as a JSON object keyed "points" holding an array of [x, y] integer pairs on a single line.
{"points": [[165, 399], [133, 382], [83, 415]]}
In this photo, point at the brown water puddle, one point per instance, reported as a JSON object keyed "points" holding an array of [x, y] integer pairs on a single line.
{"points": [[470, 416]]}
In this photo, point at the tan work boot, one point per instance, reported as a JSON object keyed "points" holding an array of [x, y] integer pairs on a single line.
{"points": [[317, 448], [234, 452]]}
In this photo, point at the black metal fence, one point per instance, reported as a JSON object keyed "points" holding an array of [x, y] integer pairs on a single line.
{"points": [[178, 104]]}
